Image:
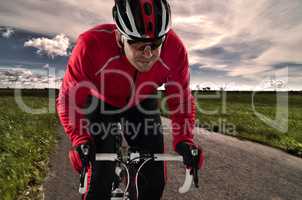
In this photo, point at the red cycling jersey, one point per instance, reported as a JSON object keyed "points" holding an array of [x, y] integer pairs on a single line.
{"points": [[99, 67]]}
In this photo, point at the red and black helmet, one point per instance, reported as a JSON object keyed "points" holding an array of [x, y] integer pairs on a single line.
{"points": [[142, 19]]}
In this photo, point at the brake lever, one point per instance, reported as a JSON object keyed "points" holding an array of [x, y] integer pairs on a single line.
{"points": [[83, 177], [195, 177], [194, 170]]}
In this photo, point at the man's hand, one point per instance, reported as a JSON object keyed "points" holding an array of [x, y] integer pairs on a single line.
{"points": [[193, 156], [83, 154]]}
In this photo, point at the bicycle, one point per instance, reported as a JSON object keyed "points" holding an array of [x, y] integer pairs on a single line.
{"points": [[125, 159]]}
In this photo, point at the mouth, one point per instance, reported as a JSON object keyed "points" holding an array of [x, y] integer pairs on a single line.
{"points": [[144, 62]]}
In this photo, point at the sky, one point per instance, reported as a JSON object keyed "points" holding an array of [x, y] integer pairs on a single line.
{"points": [[232, 44]]}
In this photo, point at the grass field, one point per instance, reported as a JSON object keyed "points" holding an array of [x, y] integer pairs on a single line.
{"points": [[27, 139], [233, 114], [25, 144]]}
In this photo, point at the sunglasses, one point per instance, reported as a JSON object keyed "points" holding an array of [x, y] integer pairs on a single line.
{"points": [[140, 45]]}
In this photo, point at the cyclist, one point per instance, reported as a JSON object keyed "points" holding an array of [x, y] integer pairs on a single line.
{"points": [[112, 76]]}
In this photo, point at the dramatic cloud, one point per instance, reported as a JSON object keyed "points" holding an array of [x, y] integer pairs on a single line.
{"points": [[57, 16], [52, 47], [242, 41], [7, 33], [46, 66], [25, 78]]}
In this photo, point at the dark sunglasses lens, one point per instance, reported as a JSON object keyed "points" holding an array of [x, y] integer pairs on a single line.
{"points": [[154, 44], [132, 42]]}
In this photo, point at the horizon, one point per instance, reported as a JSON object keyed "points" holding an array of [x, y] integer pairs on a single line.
{"points": [[159, 89]]}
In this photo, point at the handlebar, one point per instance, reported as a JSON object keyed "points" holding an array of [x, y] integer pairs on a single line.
{"points": [[156, 157]]}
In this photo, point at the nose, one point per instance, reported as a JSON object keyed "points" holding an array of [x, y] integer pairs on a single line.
{"points": [[147, 52]]}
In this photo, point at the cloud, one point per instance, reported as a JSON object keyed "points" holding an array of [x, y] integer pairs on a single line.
{"points": [[57, 16], [240, 39], [25, 78], [57, 46], [8, 33], [235, 55], [292, 65], [46, 66], [248, 71]]}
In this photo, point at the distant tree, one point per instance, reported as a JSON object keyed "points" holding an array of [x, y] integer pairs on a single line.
{"points": [[206, 89]]}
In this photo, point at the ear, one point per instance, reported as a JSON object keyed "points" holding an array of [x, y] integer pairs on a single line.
{"points": [[118, 37]]}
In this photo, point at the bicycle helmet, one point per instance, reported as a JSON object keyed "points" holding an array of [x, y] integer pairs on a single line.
{"points": [[142, 20]]}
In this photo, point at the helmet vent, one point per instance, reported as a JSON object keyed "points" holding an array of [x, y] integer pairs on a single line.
{"points": [[148, 9], [150, 27]]}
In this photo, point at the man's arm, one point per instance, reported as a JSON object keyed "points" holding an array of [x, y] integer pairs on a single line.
{"points": [[182, 110], [180, 102], [73, 94]]}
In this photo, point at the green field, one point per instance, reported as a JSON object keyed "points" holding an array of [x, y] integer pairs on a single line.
{"points": [[25, 144], [232, 113], [27, 139]]}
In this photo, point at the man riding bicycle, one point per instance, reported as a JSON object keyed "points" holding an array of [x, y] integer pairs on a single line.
{"points": [[112, 76]]}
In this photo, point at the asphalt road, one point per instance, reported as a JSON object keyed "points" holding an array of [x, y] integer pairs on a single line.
{"points": [[235, 169]]}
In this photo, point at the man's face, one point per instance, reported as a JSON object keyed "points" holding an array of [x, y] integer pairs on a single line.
{"points": [[142, 55]]}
